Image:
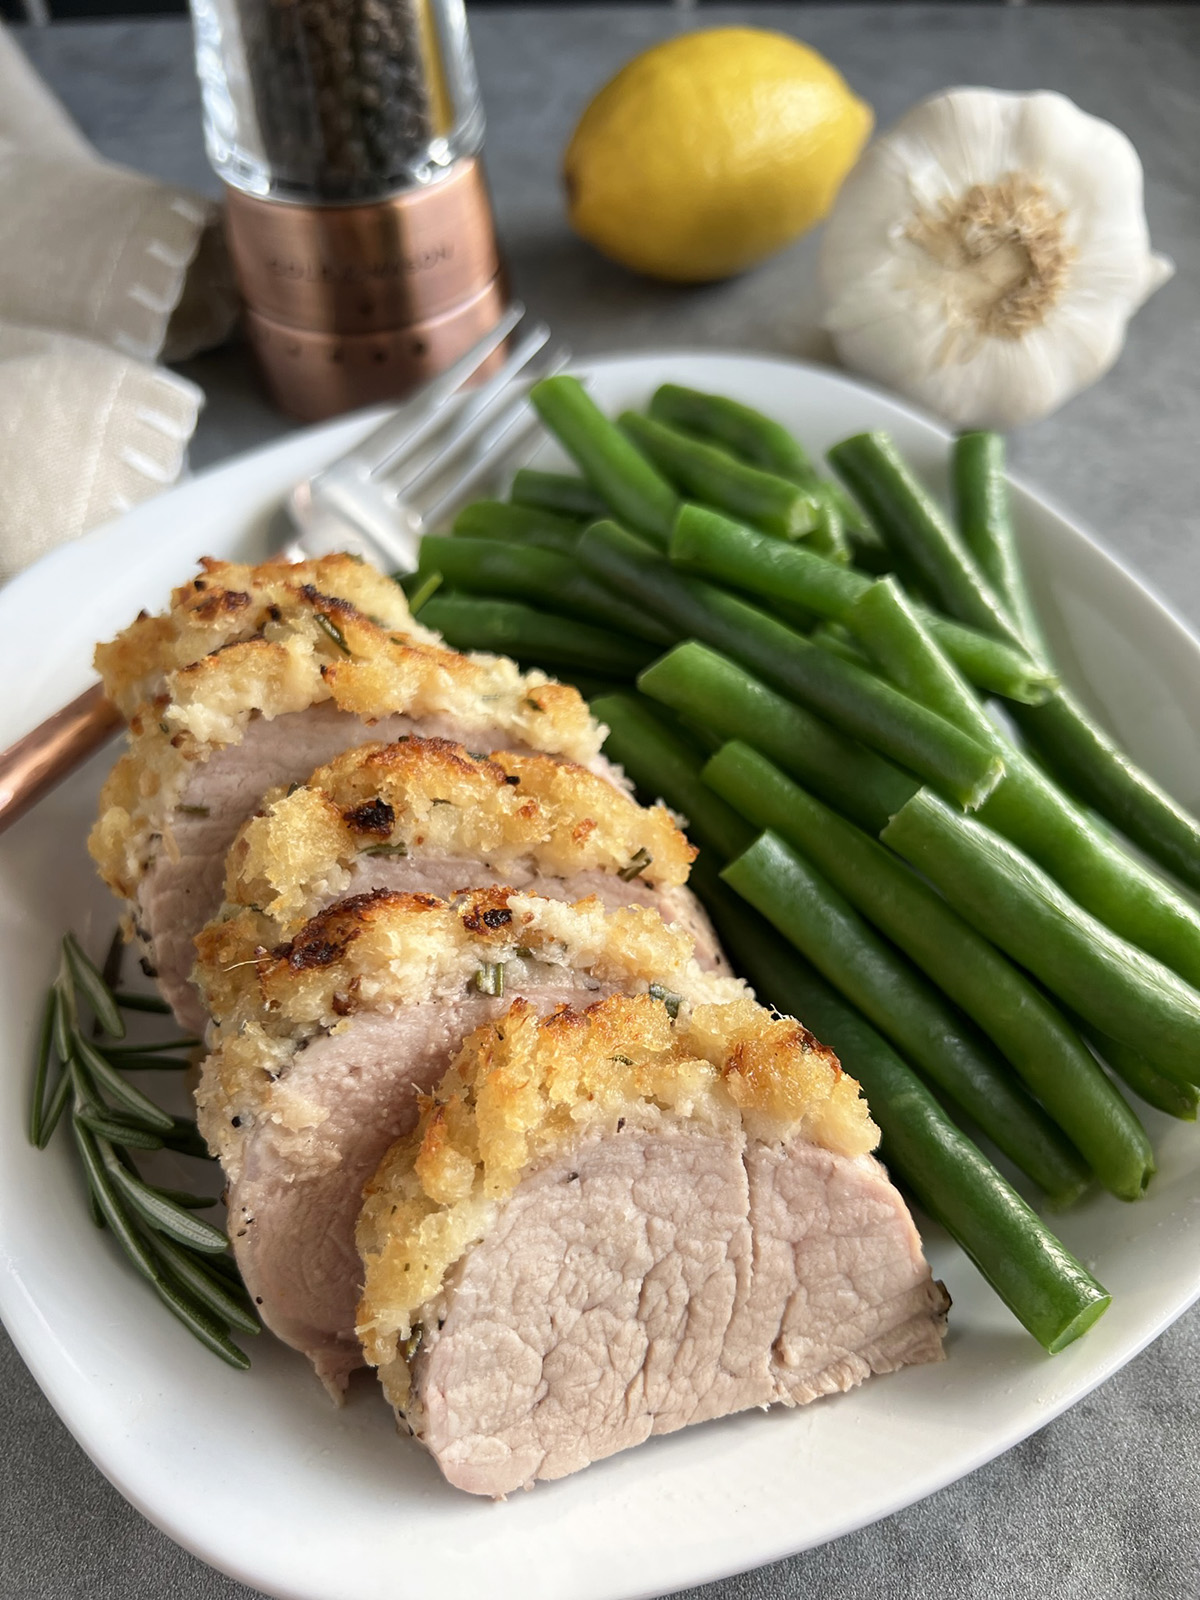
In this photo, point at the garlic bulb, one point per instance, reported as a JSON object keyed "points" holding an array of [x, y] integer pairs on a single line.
{"points": [[986, 254]]}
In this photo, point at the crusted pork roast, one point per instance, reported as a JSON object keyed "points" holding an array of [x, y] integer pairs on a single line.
{"points": [[616, 1220], [255, 676], [494, 1117], [427, 815], [322, 1044]]}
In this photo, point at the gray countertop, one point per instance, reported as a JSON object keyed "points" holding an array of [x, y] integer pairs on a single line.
{"points": [[1105, 1501]]}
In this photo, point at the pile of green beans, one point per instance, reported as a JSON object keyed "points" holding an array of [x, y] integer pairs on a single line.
{"points": [[801, 667]]}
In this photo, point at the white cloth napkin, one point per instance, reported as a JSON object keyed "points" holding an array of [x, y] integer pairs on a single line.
{"points": [[102, 272]]}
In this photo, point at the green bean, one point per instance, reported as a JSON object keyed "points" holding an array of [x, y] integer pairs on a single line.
{"points": [[559, 492], [1068, 739], [1113, 985], [824, 927], [1176, 1099], [505, 627], [539, 577], [757, 440], [833, 637], [1073, 745], [911, 519], [1041, 1045], [1041, 1283], [707, 473], [714, 547], [746, 432], [856, 701], [828, 536], [1026, 807], [984, 518], [614, 467], [713, 692], [496, 519], [664, 766]]}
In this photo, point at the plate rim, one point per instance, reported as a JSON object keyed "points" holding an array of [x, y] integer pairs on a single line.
{"points": [[684, 1572]]}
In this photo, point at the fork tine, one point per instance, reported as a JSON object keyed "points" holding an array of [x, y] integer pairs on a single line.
{"points": [[529, 359], [474, 457], [412, 422]]}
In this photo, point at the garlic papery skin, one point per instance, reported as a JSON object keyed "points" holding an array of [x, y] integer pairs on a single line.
{"points": [[986, 254]]}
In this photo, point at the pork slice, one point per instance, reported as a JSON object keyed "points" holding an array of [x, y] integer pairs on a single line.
{"points": [[659, 1276], [183, 887], [342, 1103]]}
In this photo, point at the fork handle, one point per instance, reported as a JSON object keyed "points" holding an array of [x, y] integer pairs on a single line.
{"points": [[43, 758]]}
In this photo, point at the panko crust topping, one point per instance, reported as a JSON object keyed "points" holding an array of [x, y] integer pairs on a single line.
{"points": [[241, 641], [388, 948], [434, 796], [380, 951], [231, 603], [524, 1087]]}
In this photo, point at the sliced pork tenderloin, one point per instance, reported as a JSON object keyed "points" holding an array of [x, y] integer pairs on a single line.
{"points": [[255, 676], [427, 815], [617, 1221], [322, 1044]]}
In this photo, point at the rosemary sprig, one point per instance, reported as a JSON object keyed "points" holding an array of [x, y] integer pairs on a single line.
{"points": [[184, 1259]]}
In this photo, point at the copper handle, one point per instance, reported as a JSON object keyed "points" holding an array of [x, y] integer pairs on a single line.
{"points": [[43, 758]]}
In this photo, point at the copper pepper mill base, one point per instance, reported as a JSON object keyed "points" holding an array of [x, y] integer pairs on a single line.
{"points": [[351, 305]]}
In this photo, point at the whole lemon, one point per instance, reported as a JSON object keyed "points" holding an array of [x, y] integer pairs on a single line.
{"points": [[709, 152]]}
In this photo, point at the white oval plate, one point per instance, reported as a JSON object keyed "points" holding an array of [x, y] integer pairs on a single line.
{"points": [[256, 1472]]}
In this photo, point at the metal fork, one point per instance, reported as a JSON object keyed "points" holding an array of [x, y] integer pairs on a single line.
{"points": [[374, 501]]}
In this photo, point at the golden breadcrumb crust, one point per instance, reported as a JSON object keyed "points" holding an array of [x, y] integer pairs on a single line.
{"points": [[245, 641], [228, 603], [433, 796], [523, 1088], [379, 951]]}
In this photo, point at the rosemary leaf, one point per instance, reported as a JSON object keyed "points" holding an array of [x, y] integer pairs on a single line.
{"points": [[37, 1103], [94, 989], [147, 1063], [397, 849], [638, 863], [161, 1047], [669, 998], [108, 1079], [142, 1002], [189, 1202], [186, 1139], [64, 1018], [83, 1091], [113, 961], [211, 1294], [90, 1153], [334, 632], [226, 1267], [164, 1216], [199, 1322], [94, 1208], [117, 1132], [55, 1107], [490, 978], [194, 811], [424, 591]]}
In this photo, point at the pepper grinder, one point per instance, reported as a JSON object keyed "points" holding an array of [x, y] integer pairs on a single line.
{"points": [[348, 136]]}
